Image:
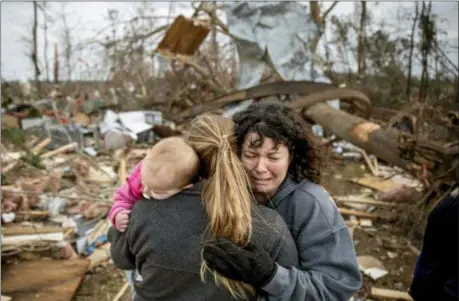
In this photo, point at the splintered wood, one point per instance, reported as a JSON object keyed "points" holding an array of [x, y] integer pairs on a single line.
{"points": [[14, 235], [345, 211], [362, 200], [390, 294], [376, 183], [43, 280], [184, 36], [99, 256]]}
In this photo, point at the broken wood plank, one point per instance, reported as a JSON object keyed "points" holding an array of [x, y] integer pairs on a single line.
{"points": [[103, 175], [28, 238], [360, 213], [32, 214], [362, 200], [375, 164], [10, 160], [21, 230], [376, 183], [122, 171], [184, 36], [39, 147], [9, 167], [99, 256], [369, 163], [101, 228], [413, 249], [36, 150], [60, 150], [390, 294], [43, 280], [9, 157], [121, 292]]}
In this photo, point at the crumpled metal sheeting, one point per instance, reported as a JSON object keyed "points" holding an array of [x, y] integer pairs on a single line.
{"points": [[276, 33]]}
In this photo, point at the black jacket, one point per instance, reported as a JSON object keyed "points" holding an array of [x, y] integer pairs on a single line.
{"points": [[436, 273], [164, 239]]}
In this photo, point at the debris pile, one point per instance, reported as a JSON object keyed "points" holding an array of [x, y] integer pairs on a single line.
{"points": [[58, 180], [63, 158]]}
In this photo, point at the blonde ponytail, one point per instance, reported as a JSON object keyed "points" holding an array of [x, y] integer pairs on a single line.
{"points": [[226, 194]]}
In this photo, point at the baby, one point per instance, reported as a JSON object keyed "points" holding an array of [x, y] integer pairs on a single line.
{"points": [[170, 165]]}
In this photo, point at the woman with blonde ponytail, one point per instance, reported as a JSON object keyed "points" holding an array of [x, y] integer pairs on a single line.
{"points": [[225, 193], [165, 238]]}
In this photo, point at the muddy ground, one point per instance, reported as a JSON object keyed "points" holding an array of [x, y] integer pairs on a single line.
{"points": [[389, 244]]}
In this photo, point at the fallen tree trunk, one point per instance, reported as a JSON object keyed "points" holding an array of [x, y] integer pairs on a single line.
{"points": [[426, 159], [419, 157]]}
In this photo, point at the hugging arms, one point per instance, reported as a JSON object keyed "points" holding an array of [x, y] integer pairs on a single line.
{"points": [[282, 162]]}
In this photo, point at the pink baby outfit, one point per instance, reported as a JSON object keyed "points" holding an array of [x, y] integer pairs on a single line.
{"points": [[128, 194], [132, 191]]}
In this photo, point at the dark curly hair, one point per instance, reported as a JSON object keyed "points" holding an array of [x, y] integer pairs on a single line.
{"points": [[275, 120]]}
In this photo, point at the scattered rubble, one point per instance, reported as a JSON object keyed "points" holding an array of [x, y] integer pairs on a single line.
{"points": [[54, 208], [57, 211], [63, 158]]}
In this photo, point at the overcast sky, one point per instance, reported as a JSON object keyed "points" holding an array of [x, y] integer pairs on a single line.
{"points": [[90, 17]]}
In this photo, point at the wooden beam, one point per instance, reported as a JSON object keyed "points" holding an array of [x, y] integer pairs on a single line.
{"points": [[390, 294], [360, 213], [362, 200]]}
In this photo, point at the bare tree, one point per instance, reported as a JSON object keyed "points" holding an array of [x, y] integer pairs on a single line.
{"points": [[67, 40], [320, 21], [428, 32], [361, 45], [214, 42], [410, 56], [34, 54], [56, 64], [46, 21]]}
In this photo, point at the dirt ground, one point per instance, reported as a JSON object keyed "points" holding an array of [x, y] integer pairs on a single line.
{"points": [[102, 285], [388, 244]]}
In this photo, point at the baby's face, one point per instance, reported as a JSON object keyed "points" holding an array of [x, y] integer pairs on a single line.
{"points": [[160, 183], [158, 194]]}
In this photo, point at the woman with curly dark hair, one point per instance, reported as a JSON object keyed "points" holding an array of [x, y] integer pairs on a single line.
{"points": [[283, 161]]}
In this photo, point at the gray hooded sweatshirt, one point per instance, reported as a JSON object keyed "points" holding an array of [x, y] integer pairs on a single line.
{"points": [[328, 268], [164, 239]]}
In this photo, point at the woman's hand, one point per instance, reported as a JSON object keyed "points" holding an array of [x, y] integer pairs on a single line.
{"points": [[250, 264]]}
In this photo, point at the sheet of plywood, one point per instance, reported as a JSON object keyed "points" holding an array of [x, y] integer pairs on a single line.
{"points": [[376, 183], [43, 280], [184, 36]]}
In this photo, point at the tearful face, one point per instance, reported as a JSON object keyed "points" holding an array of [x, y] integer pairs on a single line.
{"points": [[267, 165]]}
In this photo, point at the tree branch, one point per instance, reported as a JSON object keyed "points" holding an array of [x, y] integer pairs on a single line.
{"points": [[324, 16]]}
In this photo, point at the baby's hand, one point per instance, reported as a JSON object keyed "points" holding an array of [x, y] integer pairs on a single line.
{"points": [[121, 220]]}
